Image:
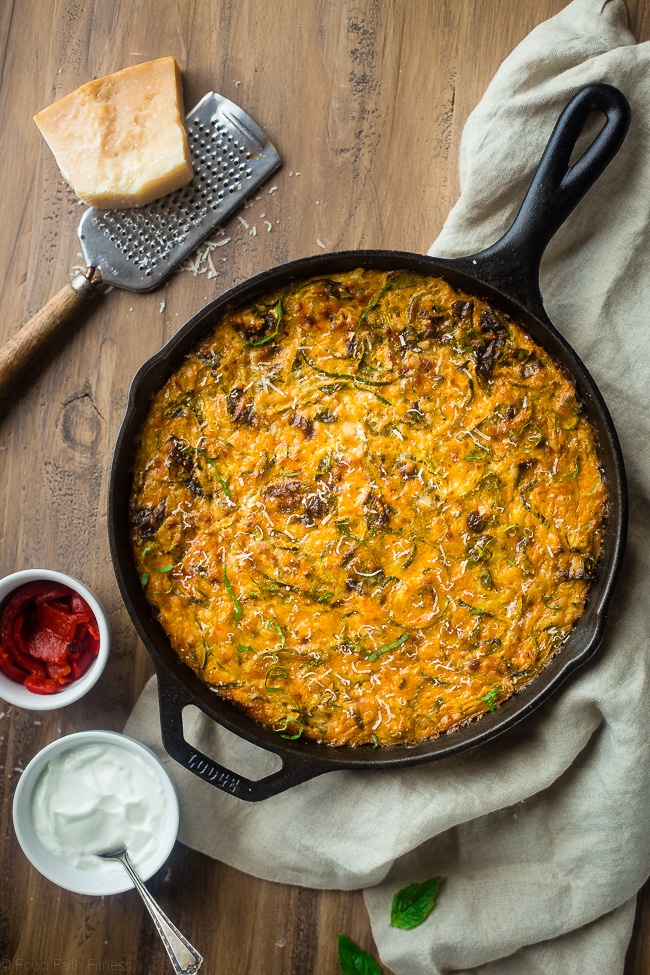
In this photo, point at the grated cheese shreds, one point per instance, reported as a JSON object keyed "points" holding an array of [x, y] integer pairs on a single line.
{"points": [[201, 261], [367, 509]]}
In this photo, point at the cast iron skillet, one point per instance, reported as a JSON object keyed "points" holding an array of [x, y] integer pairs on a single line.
{"points": [[507, 273]]}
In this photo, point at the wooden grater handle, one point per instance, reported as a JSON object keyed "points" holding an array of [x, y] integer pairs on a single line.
{"points": [[23, 347]]}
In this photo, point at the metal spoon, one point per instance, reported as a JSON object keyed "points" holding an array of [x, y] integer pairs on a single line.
{"points": [[185, 959]]}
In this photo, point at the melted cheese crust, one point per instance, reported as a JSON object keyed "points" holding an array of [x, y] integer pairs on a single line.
{"points": [[367, 509]]}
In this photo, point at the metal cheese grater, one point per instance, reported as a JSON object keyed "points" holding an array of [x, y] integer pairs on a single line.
{"points": [[138, 248]]}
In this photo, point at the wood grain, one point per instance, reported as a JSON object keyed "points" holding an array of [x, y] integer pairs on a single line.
{"points": [[366, 101]]}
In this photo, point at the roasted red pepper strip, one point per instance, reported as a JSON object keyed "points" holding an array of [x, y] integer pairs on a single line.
{"points": [[16, 647], [48, 636], [8, 667], [48, 616], [41, 685], [84, 653], [44, 644]]}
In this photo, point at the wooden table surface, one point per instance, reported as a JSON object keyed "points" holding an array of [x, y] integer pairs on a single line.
{"points": [[366, 101]]}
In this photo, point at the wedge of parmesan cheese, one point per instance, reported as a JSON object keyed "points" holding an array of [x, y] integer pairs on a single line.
{"points": [[120, 141]]}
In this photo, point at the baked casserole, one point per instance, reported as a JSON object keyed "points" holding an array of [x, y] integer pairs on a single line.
{"points": [[367, 508]]}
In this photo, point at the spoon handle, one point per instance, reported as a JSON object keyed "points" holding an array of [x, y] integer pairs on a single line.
{"points": [[185, 959]]}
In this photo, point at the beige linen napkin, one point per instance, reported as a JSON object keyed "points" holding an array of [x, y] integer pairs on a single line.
{"points": [[543, 837]]}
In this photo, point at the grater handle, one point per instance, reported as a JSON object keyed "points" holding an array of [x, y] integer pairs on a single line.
{"points": [[23, 347]]}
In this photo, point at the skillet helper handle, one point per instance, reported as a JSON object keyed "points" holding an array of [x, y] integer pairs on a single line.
{"points": [[23, 347], [172, 698], [512, 263]]}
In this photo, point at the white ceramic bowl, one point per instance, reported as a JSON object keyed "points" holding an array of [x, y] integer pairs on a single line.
{"points": [[110, 877], [14, 693]]}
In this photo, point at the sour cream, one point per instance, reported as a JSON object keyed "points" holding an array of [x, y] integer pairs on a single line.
{"points": [[94, 798]]}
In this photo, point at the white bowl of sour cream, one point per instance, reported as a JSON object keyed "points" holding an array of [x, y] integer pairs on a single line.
{"points": [[91, 792]]}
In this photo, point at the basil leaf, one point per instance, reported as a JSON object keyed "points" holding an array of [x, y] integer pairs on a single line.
{"points": [[413, 904], [354, 960], [489, 698]]}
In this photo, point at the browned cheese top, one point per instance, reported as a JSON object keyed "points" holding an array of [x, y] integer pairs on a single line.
{"points": [[367, 508]]}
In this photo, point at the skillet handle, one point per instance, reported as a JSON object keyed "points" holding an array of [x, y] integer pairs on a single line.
{"points": [[511, 265], [173, 697]]}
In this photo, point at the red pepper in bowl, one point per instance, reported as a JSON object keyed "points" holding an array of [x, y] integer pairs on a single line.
{"points": [[48, 636]]}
